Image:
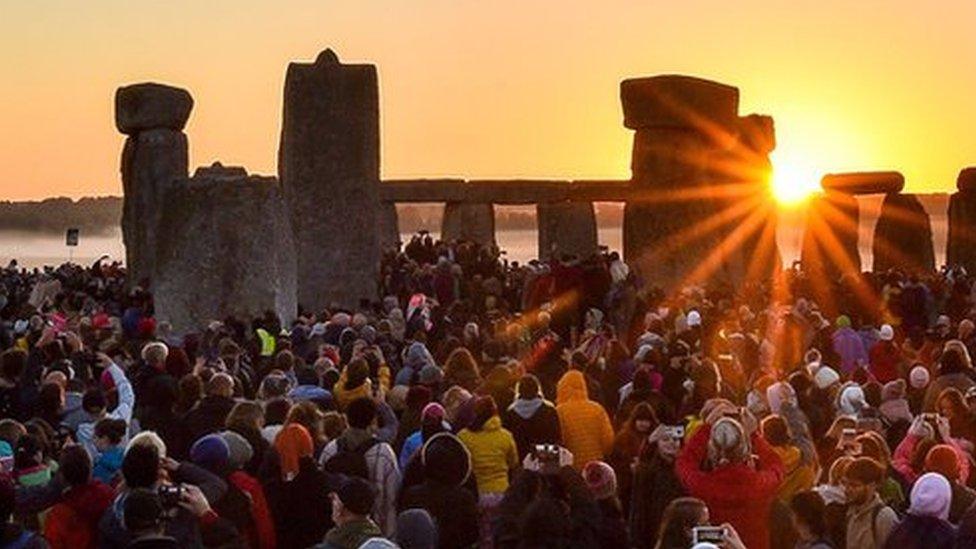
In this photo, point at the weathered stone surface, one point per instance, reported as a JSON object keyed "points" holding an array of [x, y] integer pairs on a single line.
{"points": [[967, 179], [829, 246], [961, 243], [674, 101], [329, 170], [566, 228], [151, 106], [389, 226], [670, 159], [225, 248], [903, 236], [152, 162], [758, 133], [864, 182], [219, 171], [471, 222]]}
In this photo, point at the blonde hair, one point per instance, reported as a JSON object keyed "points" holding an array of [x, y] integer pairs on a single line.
{"points": [[155, 352], [148, 438]]}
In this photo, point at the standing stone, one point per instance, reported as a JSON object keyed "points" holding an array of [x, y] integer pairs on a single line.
{"points": [[961, 243], [967, 179], [864, 182], [225, 248], [903, 236], [829, 246], [154, 156], [329, 166], [389, 226], [566, 228], [474, 222]]}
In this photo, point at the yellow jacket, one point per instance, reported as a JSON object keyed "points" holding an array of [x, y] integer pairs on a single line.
{"points": [[493, 455], [799, 476], [344, 397], [585, 426]]}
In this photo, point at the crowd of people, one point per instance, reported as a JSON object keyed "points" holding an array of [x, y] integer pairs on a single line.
{"points": [[483, 403]]}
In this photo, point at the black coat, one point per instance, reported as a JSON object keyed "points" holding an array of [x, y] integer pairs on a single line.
{"points": [[207, 417], [542, 427], [655, 486], [916, 532], [301, 507], [453, 508]]}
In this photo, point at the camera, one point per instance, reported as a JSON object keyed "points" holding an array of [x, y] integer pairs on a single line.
{"points": [[708, 534], [170, 495], [548, 457], [676, 431]]}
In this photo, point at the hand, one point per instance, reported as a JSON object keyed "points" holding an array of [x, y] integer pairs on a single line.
{"points": [[193, 500], [565, 458], [732, 539], [918, 428], [657, 434], [945, 431], [169, 464], [73, 341], [199, 365], [104, 360]]}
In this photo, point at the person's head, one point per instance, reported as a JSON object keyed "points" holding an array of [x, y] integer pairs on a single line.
{"points": [[528, 387], [942, 459], [276, 411], [50, 400], [155, 353], [952, 404], [416, 529], [361, 413], [352, 501], [94, 402], [109, 432], [293, 444], [680, 516], [142, 513], [12, 364], [29, 452], [333, 425], [600, 479], [642, 419], [727, 444], [240, 451], [75, 465], [775, 430], [807, 511], [140, 466], [838, 469], [484, 409], [221, 385], [931, 496], [212, 453], [543, 521], [11, 430], [245, 416], [862, 479], [148, 438], [308, 415]]}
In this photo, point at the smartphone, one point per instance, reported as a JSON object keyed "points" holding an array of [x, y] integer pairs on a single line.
{"points": [[548, 457], [708, 534], [676, 431]]}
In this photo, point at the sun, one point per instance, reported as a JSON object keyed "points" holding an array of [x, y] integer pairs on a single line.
{"points": [[793, 180]]}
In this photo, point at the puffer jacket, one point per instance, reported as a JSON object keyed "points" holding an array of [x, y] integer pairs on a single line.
{"points": [[493, 455], [584, 424]]}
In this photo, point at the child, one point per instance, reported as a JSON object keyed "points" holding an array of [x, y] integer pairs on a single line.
{"points": [[109, 435], [30, 469]]}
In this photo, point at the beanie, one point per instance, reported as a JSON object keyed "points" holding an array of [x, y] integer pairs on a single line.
{"points": [[942, 459], [357, 496], [825, 377], [851, 400], [240, 450], [887, 333], [893, 390], [931, 496], [210, 452], [432, 412], [843, 321], [431, 375], [919, 377], [600, 479], [397, 397]]}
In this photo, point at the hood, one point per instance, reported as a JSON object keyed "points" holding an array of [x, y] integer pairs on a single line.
{"points": [[931, 496], [572, 386], [352, 533], [527, 408], [790, 456], [831, 493], [494, 423]]}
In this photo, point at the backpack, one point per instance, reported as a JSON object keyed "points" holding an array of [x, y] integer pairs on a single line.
{"points": [[350, 462]]}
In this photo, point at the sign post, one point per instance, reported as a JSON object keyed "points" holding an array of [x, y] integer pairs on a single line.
{"points": [[71, 241]]}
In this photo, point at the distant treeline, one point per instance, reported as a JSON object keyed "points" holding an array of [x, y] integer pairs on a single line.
{"points": [[99, 215], [414, 217]]}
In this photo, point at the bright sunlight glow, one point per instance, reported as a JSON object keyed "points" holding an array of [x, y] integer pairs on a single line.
{"points": [[793, 180]]}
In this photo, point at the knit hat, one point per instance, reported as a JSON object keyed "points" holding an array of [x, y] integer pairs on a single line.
{"points": [[694, 319], [241, 451], [825, 377], [919, 377], [843, 321], [292, 443], [416, 530], [600, 479], [210, 451], [431, 375], [887, 333], [942, 459], [778, 394], [931, 496], [893, 390], [432, 411], [851, 400]]}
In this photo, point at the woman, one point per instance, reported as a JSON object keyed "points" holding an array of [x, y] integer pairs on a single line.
{"points": [[602, 484], [909, 460], [962, 422], [807, 511], [627, 445], [926, 524], [655, 484], [461, 369], [247, 419], [493, 456], [680, 517], [531, 418], [955, 370]]}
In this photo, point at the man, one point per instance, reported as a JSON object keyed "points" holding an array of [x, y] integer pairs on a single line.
{"points": [[209, 415], [145, 516], [351, 506], [869, 520], [95, 403], [152, 384], [359, 443]]}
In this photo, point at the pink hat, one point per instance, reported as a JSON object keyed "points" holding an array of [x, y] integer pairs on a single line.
{"points": [[919, 377], [600, 479]]}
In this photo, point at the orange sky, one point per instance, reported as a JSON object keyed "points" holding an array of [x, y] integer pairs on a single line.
{"points": [[498, 88]]}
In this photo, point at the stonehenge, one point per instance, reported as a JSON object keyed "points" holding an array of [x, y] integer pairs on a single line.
{"points": [[329, 168], [961, 245], [566, 228], [903, 236], [830, 239], [474, 222]]}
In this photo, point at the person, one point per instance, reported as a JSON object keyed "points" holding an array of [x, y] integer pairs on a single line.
{"points": [[655, 485], [416, 530], [110, 444], [210, 414], [584, 425], [531, 418], [73, 521], [144, 516], [352, 505], [358, 444], [869, 520], [493, 457], [807, 511], [717, 466], [13, 534], [95, 403], [431, 422], [927, 523], [799, 476], [602, 482], [941, 459], [681, 517], [298, 494], [885, 356]]}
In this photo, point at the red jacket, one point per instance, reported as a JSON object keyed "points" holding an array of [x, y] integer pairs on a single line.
{"points": [[73, 522], [738, 494], [885, 358], [262, 532]]}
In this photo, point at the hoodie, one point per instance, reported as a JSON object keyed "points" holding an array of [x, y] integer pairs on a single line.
{"points": [[73, 522], [584, 425], [493, 455]]}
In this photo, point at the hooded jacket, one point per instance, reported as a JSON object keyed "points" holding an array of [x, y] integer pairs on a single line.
{"points": [[532, 421], [584, 424], [739, 493], [73, 523], [493, 454]]}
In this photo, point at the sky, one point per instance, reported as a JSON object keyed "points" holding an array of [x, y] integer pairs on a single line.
{"points": [[496, 88]]}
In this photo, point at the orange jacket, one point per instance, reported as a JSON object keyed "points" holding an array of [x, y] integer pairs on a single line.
{"points": [[585, 426]]}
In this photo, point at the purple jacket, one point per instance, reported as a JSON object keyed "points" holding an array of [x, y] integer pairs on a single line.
{"points": [[850, 348]]}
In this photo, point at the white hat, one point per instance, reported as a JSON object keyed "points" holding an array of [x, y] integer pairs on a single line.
{"points": [[825, 377], [851, 400], [919, 377], [694, 319], [20, 327], [887, 332]]}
